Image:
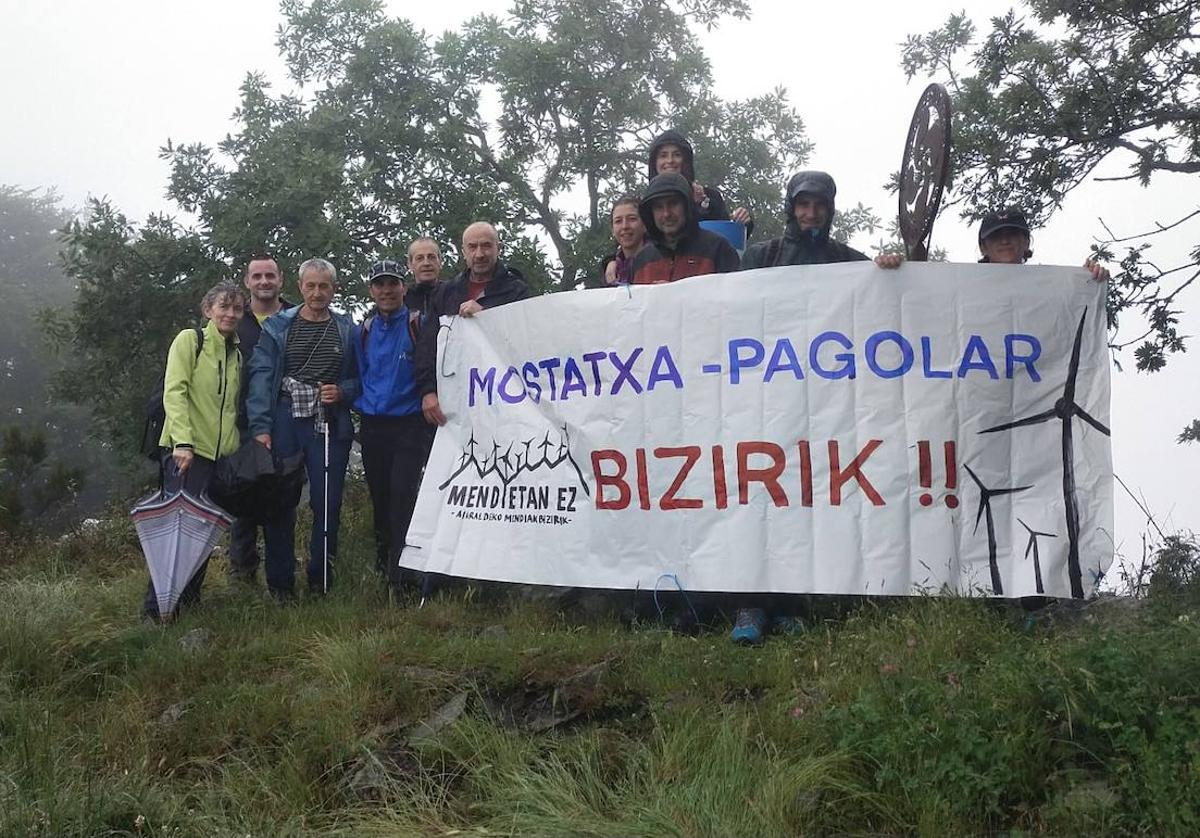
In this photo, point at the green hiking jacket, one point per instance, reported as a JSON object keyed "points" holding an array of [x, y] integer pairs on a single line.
{"points": [[200, 394]]}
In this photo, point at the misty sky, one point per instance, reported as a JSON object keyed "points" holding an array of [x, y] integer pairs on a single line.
{"points": [[93, 89]]}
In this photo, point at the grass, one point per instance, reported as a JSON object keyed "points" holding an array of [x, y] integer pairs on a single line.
{"points": [[926, 716]]}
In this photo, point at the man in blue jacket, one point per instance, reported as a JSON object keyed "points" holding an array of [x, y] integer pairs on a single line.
{"points": [[303, 379], [394, 436]]}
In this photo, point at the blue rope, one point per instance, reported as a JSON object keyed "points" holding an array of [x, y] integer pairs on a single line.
{"points": [[674, 578]]}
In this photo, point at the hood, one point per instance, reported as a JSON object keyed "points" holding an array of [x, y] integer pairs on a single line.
{"points": [[668, 184], [814, 183], [672, 137]]}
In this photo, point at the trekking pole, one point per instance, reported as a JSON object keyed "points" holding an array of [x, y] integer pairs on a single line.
{"points": [[325, 516]]}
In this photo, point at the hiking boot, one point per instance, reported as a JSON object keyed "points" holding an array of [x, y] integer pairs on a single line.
{"points": [[244, 577], [748, 626]]}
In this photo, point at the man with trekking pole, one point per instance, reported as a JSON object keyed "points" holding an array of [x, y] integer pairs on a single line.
{"points": [[303, 378]]}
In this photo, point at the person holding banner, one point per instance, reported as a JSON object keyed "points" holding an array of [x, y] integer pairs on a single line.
{"points": [[629, 233], [808, 209], [1004, 239], [808, 212], [486, 283], [680, 248]]}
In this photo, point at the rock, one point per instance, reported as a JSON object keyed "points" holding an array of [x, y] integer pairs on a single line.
{"points": [[172, 714], [195, 640], [1090, 796], [444, 716], [496, 632], [368, 778], [422, 674]]}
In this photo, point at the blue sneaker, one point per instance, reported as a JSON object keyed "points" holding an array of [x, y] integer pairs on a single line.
{"points": [[748, 626]]}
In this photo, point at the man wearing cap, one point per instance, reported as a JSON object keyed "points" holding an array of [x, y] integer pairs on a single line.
{"points": [[808, 212], [679, 248], [394, 436], [1004, 239], [486, 283]]}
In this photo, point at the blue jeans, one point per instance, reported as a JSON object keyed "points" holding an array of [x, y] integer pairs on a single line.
{"points": [[291, 435]]}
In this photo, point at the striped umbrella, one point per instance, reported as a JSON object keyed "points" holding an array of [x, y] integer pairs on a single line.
{"points": [[177, 532]]}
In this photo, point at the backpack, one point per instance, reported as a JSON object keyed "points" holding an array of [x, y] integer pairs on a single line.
{"points": [[156, 414]]}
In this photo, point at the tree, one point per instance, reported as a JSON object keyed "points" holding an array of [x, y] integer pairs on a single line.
{"points": [[534, 120], [1040, 105], [30, 280], [31, 483]]}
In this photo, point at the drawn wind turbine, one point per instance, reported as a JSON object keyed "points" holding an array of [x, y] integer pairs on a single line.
{"points": [[1032, 545], [985, 512], [1066, 409]]}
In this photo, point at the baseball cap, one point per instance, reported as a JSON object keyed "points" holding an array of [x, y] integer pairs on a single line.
{"points": [[1011, 218], [385, 267]]}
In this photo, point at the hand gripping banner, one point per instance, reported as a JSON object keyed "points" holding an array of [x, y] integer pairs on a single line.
{"points": [[841, 429]]}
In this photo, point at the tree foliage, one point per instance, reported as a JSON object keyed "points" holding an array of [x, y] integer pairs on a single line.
{"points": [[32, 483], [30, 280], [534, 120], [1048, 95]]}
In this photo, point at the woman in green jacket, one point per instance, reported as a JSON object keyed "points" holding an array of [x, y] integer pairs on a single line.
{"points": [[200, 397]]}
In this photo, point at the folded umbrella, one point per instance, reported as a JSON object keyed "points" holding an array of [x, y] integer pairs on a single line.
{"points": [[254, 484], [177, 532]]}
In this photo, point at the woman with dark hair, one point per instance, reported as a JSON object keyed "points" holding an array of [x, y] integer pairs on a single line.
{"points": [[200, 398], [630, 235]]}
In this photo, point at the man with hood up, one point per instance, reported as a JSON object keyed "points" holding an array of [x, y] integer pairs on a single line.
{"points": [[679, 248], [808, 209], [671, 152]]}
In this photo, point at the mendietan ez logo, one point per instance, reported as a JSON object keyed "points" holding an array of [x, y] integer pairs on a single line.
{"points": [[526, 481]]}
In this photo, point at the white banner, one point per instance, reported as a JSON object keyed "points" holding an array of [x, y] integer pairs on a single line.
{"points": [[825, 429]]}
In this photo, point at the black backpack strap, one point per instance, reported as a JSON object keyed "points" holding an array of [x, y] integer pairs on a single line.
{"points": [[366, 330], [199, 341]]}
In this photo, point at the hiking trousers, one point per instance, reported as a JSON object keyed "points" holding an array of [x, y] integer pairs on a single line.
{"points": [[394, 451]]}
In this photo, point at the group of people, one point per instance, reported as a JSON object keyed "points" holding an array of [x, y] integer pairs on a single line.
{"points": [[289, 376]]}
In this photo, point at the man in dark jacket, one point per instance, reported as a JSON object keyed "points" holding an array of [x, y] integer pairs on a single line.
{"points": [[808, 209], [671, 152], [264, 282], [425, 267], [486, 283], [679, 248]]}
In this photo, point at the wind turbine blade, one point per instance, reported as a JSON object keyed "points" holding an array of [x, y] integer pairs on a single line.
{"points": [[1036, 419], [1010, 491], [1073, 369], [1085, 416], [974, 477], [1029, 546], [1026, 526], [982, 503]]}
